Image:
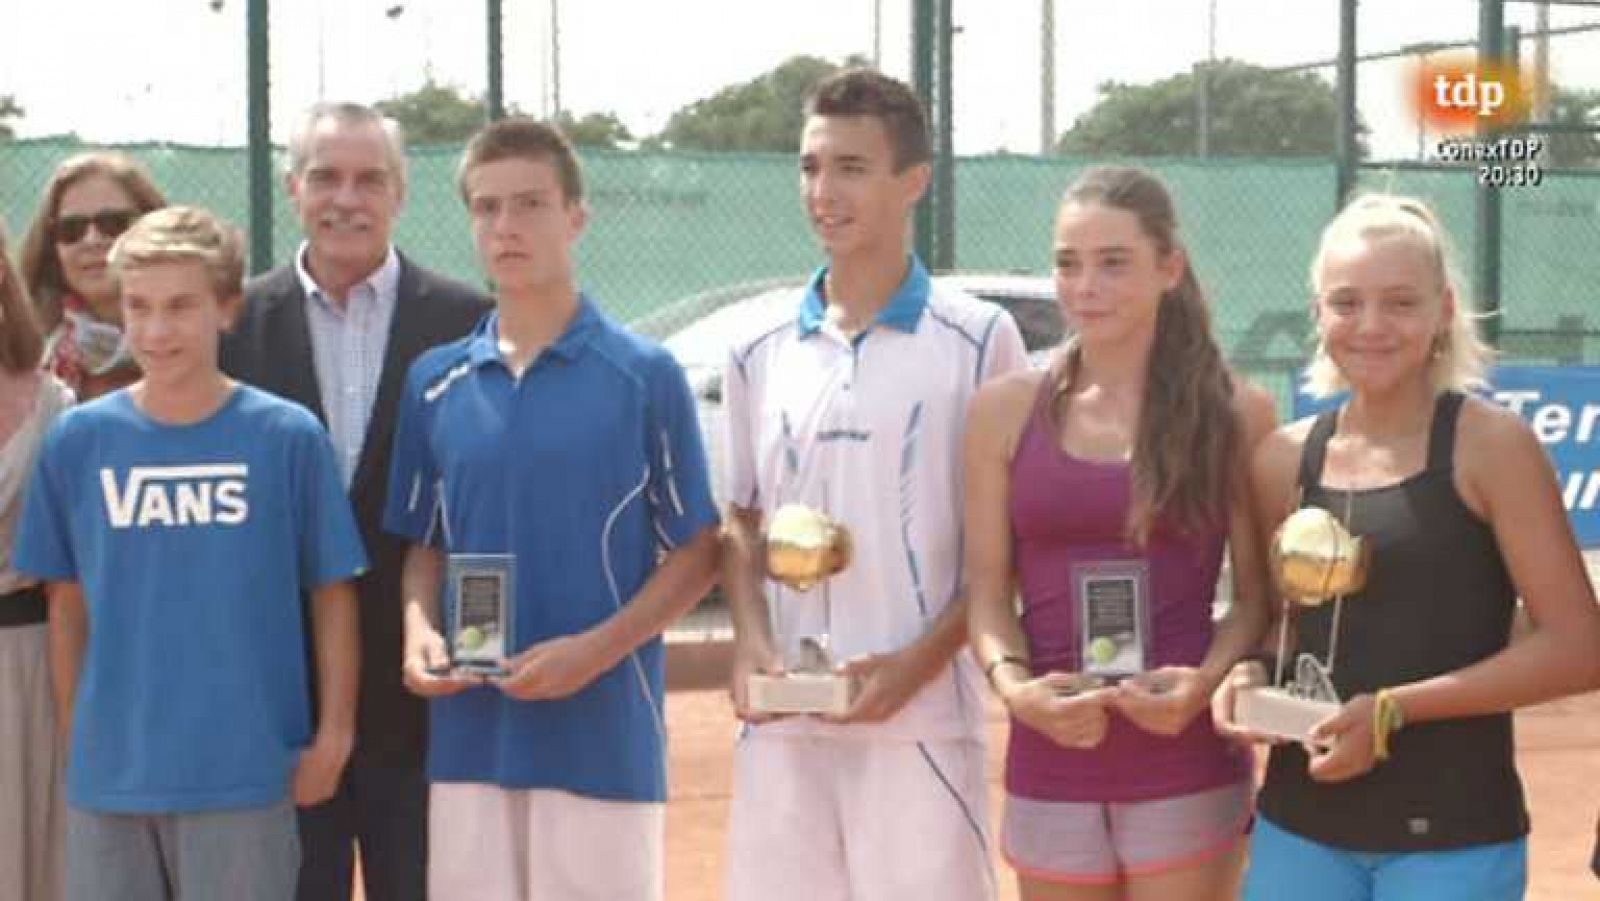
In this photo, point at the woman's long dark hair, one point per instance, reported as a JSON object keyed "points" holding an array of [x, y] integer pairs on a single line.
{"points": [[20, 338], [1184, 451]]}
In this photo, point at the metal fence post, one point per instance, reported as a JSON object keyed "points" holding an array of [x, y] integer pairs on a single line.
{"points": [[1345, 178], [260, 136], [1486, 227], [922, 60], [944, 168], [496, 92]]}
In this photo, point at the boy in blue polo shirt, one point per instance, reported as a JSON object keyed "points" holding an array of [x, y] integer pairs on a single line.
{"points": [[554, 438], [178, 522]]}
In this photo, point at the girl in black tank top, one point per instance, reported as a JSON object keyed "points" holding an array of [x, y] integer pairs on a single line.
{"points": [[1438, 599], [1416, 772]]}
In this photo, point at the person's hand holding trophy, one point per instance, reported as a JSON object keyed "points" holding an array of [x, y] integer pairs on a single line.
{"points": [[1115, 649], [1314, 559], [804, 548]]}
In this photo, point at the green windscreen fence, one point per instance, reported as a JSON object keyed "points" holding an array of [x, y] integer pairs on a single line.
{"points": [[674, 233]]}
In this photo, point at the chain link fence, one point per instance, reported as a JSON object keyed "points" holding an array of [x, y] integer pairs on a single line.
{"points": [[674, 234]]}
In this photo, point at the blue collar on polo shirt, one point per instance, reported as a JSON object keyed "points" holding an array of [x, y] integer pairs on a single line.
{"points": [[484, 345], [902, 313]]}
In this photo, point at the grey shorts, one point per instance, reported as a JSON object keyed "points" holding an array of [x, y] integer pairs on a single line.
{"points": [[241, 855], [1090, 843]]}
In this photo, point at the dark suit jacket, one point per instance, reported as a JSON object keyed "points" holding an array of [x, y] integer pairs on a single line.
{"points": [[270, 348]]}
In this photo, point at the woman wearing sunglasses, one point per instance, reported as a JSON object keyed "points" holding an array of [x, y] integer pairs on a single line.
{"points": [[90, 200]]}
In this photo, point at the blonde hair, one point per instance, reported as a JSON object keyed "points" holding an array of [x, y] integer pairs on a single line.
{"points": [[1460, 358], [184, 234]]}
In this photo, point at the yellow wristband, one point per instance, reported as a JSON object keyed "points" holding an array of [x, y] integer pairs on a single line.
{"points": [[1387, 718]]}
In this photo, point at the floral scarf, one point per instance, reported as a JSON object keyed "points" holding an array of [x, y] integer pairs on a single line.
{"points": [[83, 348]]}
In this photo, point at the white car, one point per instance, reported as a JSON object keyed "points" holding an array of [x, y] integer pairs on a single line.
{"points": [[720, 317]]}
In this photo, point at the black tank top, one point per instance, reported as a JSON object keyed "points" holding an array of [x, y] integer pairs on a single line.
{"points": [[1438, 598]]}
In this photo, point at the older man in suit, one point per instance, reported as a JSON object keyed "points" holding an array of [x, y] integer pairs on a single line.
{"points": [[336, 329]]}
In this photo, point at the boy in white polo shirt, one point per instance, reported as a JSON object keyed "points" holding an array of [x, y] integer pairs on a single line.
{"points": [[852, 402]]}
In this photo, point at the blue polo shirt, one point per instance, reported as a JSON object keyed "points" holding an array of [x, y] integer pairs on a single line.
{"points": [[586, 468]]}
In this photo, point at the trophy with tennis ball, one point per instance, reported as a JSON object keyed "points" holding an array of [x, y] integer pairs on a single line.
{"points": [[1314, 559], [804, 549], [1113, 618], [478, 593]]}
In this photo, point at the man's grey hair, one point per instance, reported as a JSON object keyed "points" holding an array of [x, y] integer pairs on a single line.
{"points": [[348, 114]]}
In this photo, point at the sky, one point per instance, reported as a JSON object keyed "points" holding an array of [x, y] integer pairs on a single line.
{"points": [[174, 70]]}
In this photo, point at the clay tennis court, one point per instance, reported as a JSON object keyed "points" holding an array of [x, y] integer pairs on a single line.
{"points": [[1558, 752]]}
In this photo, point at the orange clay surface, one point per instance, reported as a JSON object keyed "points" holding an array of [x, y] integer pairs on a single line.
{"points": [[1558, 754]]}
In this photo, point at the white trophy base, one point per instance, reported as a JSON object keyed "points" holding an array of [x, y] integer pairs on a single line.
{"points": [[1275, 712], [799, 693]]}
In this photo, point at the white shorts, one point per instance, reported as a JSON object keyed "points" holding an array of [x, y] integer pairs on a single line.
{"points": [[487, 842], [834, 819], [1094, 843]]}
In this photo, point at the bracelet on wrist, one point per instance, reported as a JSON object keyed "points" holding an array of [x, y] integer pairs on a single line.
{"points": [[1003, 660], [1388, 717]]}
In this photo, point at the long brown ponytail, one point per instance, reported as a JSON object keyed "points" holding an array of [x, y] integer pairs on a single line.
{"points": [[1183, 455]]}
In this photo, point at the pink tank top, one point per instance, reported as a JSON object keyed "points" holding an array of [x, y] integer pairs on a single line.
{"points": [[1076, 510]]}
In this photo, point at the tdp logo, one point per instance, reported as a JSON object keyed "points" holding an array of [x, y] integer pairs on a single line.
{"points": [[177, 496], [1457, 94]]}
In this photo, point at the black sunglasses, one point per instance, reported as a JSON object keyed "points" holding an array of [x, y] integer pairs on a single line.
{"points": [[109, 223]]}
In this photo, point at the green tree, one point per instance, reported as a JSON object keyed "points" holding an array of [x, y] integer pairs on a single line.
{"points": [[435, 113], [1253, 112], [594, 130], [1573, 109], [760, 114], [9, 109]]}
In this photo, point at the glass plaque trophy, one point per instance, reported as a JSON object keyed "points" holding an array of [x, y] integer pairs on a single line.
{"points": [[1113, 618], [478, 602]]}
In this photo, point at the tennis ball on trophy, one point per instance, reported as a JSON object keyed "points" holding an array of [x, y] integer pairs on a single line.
{"points": [[1102, 650], [804, 546], [1314, 557], [470, 639]]}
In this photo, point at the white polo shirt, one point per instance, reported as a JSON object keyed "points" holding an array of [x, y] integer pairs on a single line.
{"points": [[870, 431]]}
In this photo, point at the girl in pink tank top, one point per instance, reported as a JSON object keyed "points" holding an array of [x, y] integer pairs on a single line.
{"points": [[1104, 492]]}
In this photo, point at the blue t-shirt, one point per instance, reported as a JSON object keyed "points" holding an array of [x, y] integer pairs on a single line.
{"points": [[584, 469], [192, 544]]}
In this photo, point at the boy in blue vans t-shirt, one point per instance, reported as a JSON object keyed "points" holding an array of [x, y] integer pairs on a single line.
{"points": [[178, 522]]}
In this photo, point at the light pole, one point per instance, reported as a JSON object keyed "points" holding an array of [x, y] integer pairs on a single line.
{"points": [[1202, 93], [555, 59], [393, 13], [1422, 51], [225, 86], [877, 34], [1047, 77]]}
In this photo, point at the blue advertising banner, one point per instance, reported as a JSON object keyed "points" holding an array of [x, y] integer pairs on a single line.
{"points": [[1562, 406]]}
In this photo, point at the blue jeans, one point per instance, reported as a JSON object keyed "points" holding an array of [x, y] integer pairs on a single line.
{"points": [[1286, 866], [238, 855]]}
